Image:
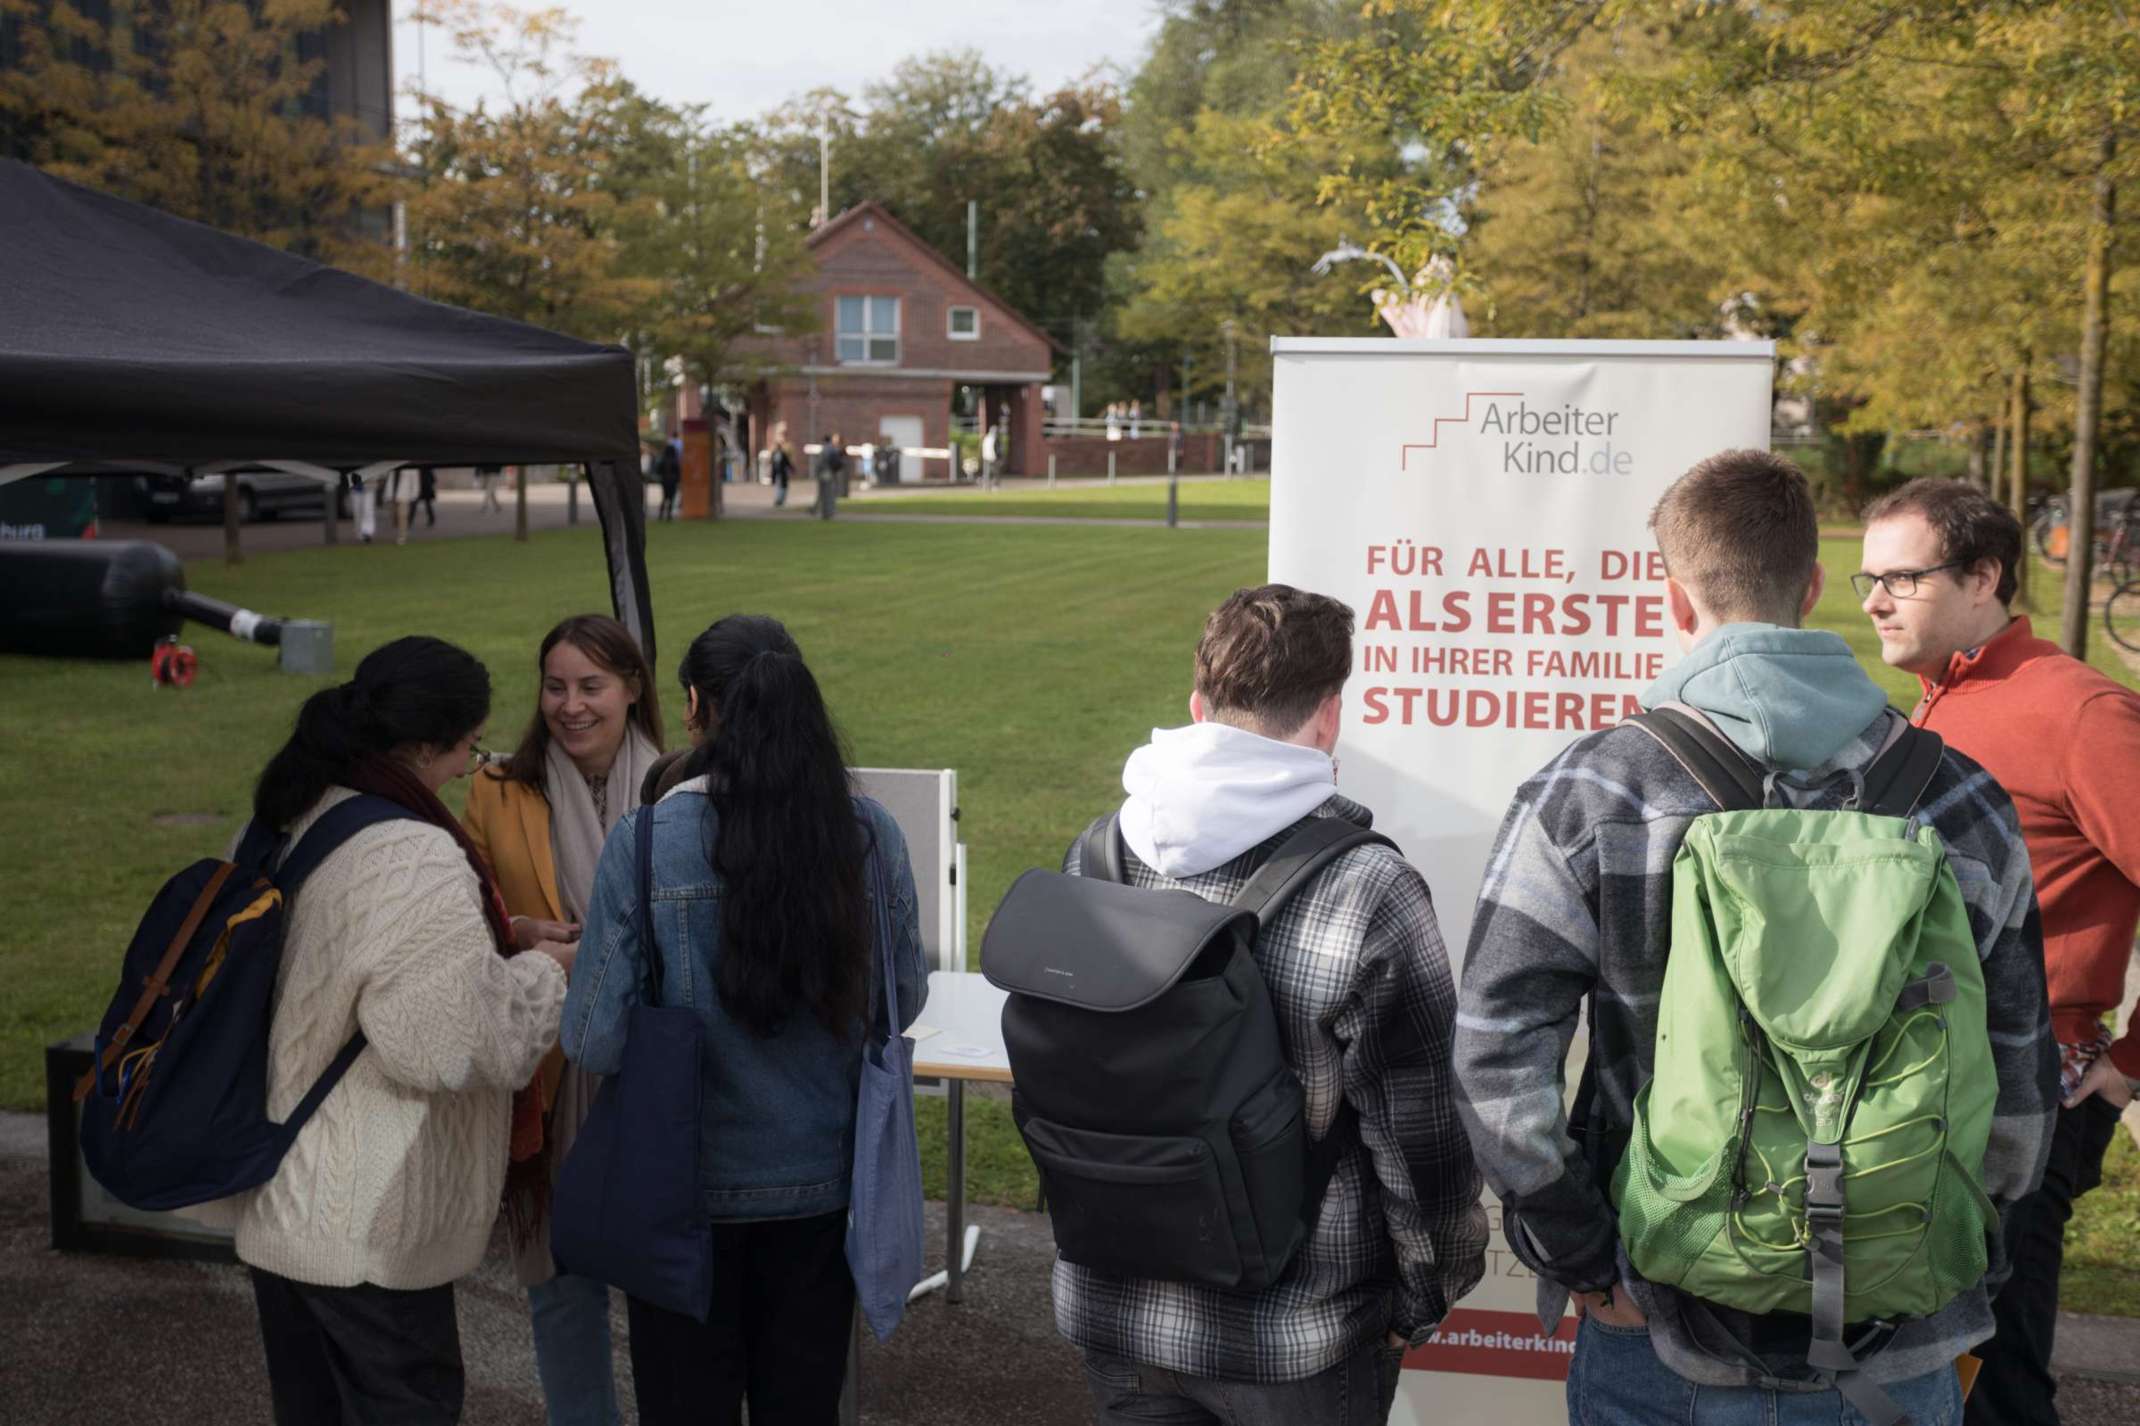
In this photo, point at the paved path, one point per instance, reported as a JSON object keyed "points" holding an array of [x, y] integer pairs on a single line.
{"points": [[90, 1339], [461, 515]]}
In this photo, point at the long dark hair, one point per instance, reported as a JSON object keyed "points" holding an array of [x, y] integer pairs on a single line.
{"points": [[414, 690], [788, 846], [611, 646]]}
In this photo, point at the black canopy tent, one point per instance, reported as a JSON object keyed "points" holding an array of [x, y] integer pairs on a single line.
{"points": [[133, 339]]}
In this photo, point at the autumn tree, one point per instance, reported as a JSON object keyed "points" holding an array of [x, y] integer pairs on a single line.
{"points": [[210, 109], [511, 208]]}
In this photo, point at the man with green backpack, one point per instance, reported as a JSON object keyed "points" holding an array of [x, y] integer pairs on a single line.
{"points": [[1820, 1062]]}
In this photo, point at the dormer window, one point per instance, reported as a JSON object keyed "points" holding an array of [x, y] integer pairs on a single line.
{"points": [[869, 331]]}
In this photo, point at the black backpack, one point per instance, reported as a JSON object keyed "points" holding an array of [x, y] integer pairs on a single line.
{"points": [[174, 1107], [1152, 1087]]}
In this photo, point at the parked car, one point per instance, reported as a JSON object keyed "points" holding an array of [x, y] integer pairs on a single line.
{"points": [[262, 495]]}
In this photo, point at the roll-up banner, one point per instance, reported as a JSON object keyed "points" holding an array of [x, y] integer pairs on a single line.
{"points": [[1483, 506]]}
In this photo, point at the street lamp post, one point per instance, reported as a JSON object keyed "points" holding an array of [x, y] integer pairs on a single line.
{"points": [[1233, 410]]}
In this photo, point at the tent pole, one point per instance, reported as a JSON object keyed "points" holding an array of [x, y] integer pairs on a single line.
{"points": [[620, 501], [232, 553]]}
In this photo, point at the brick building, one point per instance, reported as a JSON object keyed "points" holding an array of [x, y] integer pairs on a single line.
{"points": [[900, 330]]}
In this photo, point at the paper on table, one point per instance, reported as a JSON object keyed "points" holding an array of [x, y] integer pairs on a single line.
{"points": [[920, 1032]]}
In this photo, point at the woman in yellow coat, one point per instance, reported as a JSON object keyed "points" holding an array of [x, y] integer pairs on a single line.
{"points": [[540, 819]]}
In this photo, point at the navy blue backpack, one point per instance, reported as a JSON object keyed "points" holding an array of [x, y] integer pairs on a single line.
{"points": [[174, 1107]]}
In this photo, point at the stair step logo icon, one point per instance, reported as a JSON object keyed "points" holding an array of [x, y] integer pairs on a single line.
{"points": [[1404, 457]]}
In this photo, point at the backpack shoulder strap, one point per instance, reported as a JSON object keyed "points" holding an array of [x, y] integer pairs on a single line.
{"points": [[1897, 779], [336, 826], [256, 848], [1100, 850], [1721, 769], [643, 861], [340, 822], [1318, 842]]}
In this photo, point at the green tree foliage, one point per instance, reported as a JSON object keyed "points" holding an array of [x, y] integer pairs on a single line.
{"points": [[1232, 225], [1584, 232], [210, 109], [719, 251], [1416, 103]]}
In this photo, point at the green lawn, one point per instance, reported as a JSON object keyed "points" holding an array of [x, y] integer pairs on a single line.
{"points": [[2102, 1270], [1032, 658], [1246, 499]]}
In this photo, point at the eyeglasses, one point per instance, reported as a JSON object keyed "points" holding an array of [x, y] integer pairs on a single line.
{"points": [[1899, 583]]}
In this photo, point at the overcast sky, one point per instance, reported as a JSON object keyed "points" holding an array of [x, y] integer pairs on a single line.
{"points": [[745, 58]]}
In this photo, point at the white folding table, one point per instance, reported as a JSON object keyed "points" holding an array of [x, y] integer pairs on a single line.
{"points": [[958, 1037]]}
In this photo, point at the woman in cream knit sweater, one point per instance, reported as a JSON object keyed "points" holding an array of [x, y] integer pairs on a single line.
{"points": [[391, 1189]]}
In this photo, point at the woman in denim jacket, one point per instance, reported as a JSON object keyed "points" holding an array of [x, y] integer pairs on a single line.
{"points": [[763, 924]]}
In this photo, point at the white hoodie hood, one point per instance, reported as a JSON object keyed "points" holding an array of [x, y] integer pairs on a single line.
{"points": [[1200, 796]]}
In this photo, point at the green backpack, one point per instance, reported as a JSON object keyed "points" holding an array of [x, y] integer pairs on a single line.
{"points": [[1812, 1138]]}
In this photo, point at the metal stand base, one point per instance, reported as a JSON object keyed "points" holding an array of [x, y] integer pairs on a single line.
{"points": [[942, 1277]]}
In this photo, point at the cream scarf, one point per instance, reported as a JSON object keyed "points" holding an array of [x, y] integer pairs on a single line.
{"points": [[577, 828]]}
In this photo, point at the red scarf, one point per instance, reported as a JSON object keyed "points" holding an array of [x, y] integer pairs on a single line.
{"points": [[527, 1171]]}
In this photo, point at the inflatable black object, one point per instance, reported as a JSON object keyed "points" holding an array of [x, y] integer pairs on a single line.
{"points": [[100, 599], [106, 599]]}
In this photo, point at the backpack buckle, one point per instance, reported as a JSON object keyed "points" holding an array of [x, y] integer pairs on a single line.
{"points": [[1824, 1184]]}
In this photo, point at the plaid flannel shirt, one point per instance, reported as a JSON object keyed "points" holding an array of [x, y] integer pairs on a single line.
{"points": [[1366, 1006]]}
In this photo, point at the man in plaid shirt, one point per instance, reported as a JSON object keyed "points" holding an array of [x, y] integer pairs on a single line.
{"points": [[1576, 905], [1360, 982]]}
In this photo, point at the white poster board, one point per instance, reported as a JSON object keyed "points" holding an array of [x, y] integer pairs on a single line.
{"points": [[1483, 506], [925, 804]]}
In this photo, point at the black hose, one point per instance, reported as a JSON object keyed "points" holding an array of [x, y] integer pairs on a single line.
{"points": [[239, 623]]}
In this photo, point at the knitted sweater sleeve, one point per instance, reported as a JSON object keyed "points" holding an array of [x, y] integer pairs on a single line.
{"points": [[442, 1009]]}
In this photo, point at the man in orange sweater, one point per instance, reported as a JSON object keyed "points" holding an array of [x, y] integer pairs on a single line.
{"points": [[2064, 740]]}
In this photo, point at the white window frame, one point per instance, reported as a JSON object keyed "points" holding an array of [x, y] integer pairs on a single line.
{"points": [[869, 337], [951, 326]]}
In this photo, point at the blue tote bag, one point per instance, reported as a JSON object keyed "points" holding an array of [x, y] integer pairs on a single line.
{"points": [[884, 1233], [628, 1210]]}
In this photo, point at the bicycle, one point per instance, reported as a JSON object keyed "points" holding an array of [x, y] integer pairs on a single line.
{"points": [[2117, 536], [2049, 532], [2121, 616]]}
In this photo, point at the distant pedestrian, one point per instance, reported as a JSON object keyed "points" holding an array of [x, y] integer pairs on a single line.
{"points": [[363, 500], [1136, 419], [427, 494], [669, 470], [988, 457], [487, 477], [783, 469], [831, 475], [1114, 420]]}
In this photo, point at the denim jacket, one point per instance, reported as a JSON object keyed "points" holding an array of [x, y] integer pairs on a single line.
{"points": [[777, 1115]]}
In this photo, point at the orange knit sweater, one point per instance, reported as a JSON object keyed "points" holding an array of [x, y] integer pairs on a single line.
{"points": [[2065, 743]]}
